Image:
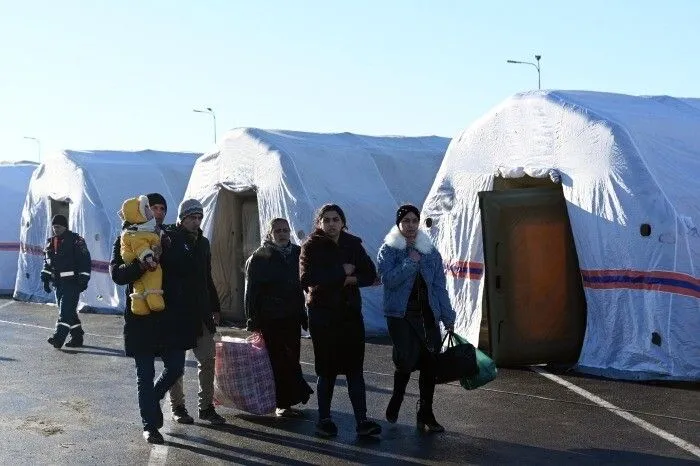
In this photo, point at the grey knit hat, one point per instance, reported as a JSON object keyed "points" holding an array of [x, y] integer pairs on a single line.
{"points": [[189, 207]]}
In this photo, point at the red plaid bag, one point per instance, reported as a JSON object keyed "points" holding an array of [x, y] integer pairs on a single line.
{"points": [[243, 377]]}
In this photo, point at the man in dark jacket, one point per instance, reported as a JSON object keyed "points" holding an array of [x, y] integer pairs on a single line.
{"points": [[201, 303], [67, 265], [158, 334]]}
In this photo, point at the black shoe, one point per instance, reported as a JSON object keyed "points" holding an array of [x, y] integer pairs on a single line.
{"points": [[181, 416], [366, 428], [153, 436], [75, 342], [53, 341], [426, 419], [210, 415], [326, 428], [288, 412]]}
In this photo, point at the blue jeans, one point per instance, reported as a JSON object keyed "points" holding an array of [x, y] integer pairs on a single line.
{"points": [[356, 390], [150, 394]]}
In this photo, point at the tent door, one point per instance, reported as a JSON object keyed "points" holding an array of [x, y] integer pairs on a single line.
{"points": [[534, 299], [235, 235], [59, 208]]}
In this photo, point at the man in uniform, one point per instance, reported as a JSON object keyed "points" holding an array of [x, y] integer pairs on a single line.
{"points": [[67, 267]]}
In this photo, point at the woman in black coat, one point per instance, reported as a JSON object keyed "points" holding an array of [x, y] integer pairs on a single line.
{"points": [[333, 265], [274, 304], [163, 334]]}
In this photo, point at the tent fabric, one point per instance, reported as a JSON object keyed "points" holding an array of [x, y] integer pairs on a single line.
{"points": [[294, 173], [623, 161], [94, 184], [14, 181]]}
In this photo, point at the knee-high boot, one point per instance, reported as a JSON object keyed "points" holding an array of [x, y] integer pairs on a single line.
{"points": [[400, 382]]}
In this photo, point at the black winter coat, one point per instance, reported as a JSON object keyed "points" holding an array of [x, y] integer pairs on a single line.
{"points": [[197, 292], [273, 290], [335, 311], [157, 331]]}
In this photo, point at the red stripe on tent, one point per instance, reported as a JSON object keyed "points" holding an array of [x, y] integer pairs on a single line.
{"points": [[464, 269], [96, 266], [9, 247], [644, 286], [639, 273]]}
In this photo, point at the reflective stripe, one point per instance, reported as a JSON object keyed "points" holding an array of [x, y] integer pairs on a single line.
{"points": [[63, 323], [46, 272], [85, 273], [67, 274], [74, 326]]}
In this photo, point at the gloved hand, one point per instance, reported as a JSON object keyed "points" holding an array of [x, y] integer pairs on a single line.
{"points": [[47, 286], [251, 325], [304, 322], [83, 283]]}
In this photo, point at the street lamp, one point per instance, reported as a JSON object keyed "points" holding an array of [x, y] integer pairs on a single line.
{"points": [[38, 144], [537, 66], [213, 115]]}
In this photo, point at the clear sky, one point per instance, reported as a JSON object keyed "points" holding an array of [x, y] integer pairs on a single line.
{"points": [[126, 74]]}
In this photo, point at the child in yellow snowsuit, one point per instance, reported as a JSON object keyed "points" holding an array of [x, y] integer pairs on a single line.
{"points": [[137, 242]]}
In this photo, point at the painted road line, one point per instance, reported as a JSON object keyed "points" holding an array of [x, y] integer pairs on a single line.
{"points": [[679, 442], [119, 337]]}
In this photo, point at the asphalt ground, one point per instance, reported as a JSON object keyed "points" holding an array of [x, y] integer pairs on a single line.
{"points": [[78, 406]]}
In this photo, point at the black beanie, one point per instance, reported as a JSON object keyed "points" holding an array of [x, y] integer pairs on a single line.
{"points": [[59, 220], [404, 210], [157, 198]]}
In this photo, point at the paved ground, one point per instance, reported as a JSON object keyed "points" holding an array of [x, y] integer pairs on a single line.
{"points": [[79, 407]]}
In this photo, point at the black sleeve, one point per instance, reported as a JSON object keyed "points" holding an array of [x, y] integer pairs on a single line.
{"points": [[365, 271], [121, 273], [213, 294], [83, 262], [252, 286]]}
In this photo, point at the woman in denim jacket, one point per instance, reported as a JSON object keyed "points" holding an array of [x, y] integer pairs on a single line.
{"points": [[415, 300]]}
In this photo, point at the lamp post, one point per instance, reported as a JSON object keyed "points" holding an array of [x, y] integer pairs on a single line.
{"points": [[213, 115], [537, 66], [38, 144]]}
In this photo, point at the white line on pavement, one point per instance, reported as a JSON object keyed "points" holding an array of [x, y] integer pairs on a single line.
{"points": [[6, 304], [119, 337], [679, 442]]}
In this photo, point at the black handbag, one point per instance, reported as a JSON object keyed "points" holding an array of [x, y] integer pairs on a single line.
{"points": [[457, 361]]}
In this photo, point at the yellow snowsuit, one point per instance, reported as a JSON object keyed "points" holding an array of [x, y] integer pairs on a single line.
{"points": [[137, 242]]}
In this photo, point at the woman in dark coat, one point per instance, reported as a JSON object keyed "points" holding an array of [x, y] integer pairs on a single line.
{"points": [[333, 265], [163, 334], [274, 304]]}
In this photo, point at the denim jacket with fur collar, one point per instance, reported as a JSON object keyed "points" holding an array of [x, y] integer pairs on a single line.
{"points": [[398, 272]]}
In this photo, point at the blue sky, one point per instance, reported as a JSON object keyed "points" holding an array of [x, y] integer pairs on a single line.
{"points": [[127, 74]]}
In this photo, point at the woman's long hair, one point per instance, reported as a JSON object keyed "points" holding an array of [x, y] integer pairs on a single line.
{"points": [[327, 208]]}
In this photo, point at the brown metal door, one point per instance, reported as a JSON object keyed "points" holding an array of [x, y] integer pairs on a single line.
{"points": [[534, 297]]}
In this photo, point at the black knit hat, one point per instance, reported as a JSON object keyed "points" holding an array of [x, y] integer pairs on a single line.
{"points": [[404, 210], [157, 198], [59, 220]]}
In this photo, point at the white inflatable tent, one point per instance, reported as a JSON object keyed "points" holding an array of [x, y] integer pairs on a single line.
{"points": [[14, 180], [255, 175], [624, 164], [89, 188]]}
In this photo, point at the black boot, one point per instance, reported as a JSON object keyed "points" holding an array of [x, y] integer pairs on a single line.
{"points": [[76, 341], [400, 381], [425, 417]]}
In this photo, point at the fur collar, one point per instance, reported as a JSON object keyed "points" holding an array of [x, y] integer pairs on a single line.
{"points": [[397, 241]]}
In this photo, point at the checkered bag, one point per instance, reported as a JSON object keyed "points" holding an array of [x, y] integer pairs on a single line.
{"points": [[243, 377]]}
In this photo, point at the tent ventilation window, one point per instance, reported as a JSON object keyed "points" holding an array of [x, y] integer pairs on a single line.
{"points": [[428, 222], [645, 229], [656, 339]]}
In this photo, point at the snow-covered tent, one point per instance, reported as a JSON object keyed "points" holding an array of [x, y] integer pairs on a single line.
{"points": [[14, 180], [255, 175], [88, 187], [629, 171]]}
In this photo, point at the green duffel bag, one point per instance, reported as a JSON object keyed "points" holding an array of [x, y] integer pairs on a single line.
{"points": [[487, 372]]}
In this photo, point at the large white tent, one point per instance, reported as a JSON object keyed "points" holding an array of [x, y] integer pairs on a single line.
{"points": [[623, 162], [89, 188], [255, 175], [14, 180]]}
